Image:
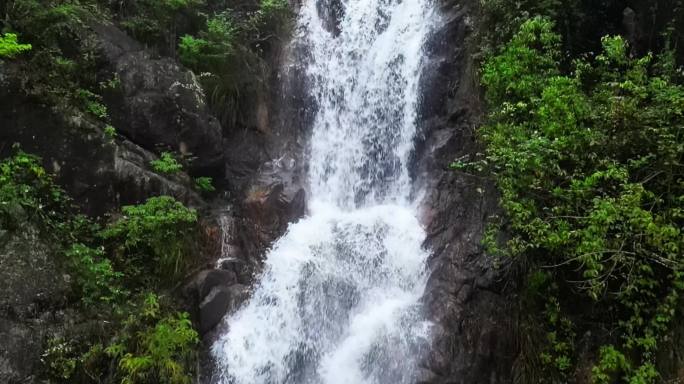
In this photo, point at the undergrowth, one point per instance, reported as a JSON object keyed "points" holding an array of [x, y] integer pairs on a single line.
{"points": [[119, 274], [587, 157]]}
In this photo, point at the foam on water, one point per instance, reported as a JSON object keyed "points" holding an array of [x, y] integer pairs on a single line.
{"points": [[338, 301]]}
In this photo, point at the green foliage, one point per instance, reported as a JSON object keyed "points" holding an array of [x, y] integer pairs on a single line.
{"points": [[63, 57], [501, 19], [272, 18], [228, 66], [96, 280], [229, 52], [110, 131], [153, 240], [215, 47], [113, 83], [92, 103], [611, 364], [62, 71], [10, 47], [166, 164], [155, 21], [204, 184], [27, 191], [47, 22], [152, 343], [59, 359], [532, 54], [559, 352], [153, 347], [589, 166], [150, 243], [192, 49]]}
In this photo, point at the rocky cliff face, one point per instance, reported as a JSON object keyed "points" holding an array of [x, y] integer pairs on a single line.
{"points": [[260, 167], [471, 297], [159, 106], [34, 289], [466, 295], [156, 106]]}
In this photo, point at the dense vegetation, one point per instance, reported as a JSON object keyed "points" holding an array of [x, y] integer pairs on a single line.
{"points": [[584, 137], [226, 43], [120, 274], [587, 151], [230, 54], [125, 323], [10, 47]]}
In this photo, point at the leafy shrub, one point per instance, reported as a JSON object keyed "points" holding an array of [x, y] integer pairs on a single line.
{"points": [[166, 164], [155, 21], [145, 341], [47, 22], [154, 237], [27, 191], [191, 49], [215, 46], [110, 131], [272, 18], [153, 347], [501, 19], [204, 184], [10, 47], [59, 359], [589, 168], [229, 51], [228, 67], [113, 83], [152, 240], [92, 103], [96, 280], [63, 59]]}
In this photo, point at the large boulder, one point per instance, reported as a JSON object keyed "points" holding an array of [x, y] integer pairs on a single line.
{"points": [[211, 294], [217, 303], [101, 173], [266, 212], [158, 103]]}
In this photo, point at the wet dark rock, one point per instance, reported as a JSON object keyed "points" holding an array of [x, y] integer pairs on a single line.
{"points": [[20, 350], [33, 286], [228, 264], [266, 212], [644, 23], [470, 296], [219, 301], [207, 280], [629, 23], [472, 337], [265, 172], [211, 294], [265, 166], [213, 308], [159, 103], [99, 172]]}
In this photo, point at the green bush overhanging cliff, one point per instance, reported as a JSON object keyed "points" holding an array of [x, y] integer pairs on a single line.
{"points": [[587, 151]]}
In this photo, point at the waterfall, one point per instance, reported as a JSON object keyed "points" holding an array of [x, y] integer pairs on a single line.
{"points": [[338, 300]]}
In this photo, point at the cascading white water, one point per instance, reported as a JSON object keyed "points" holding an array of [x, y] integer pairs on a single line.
{"points": [[338, 300]]}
